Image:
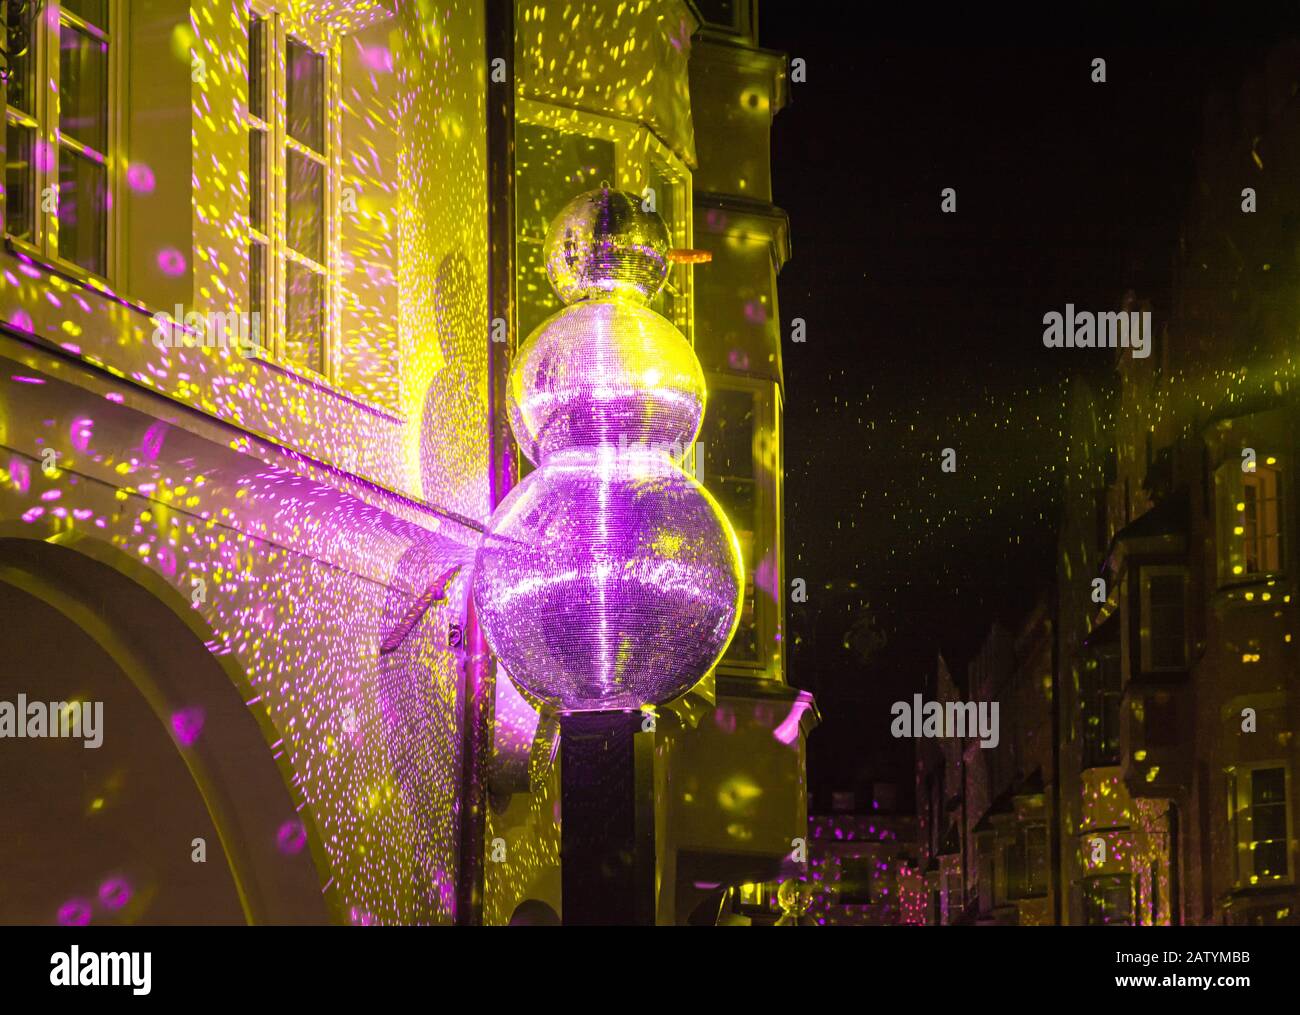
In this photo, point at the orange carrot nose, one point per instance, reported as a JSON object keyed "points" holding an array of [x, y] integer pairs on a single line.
{"points": [[686, 255]]}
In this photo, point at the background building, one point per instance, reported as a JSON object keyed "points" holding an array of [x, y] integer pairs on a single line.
{"points": [[1146, 770], [984, 813]]}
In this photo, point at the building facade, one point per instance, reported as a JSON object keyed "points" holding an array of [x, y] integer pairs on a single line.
{"points": [[985, 804], [252, 338], [1177, 676], [863, 862]]}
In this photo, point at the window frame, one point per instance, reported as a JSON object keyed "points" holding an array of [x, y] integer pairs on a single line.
{"points": [[954, 895], [326, 43], [1093, 902], [1145, 630], [1229, 481], [1240, 784], [1101, 699], [44, 120], [1029, 840], [768, 531]]}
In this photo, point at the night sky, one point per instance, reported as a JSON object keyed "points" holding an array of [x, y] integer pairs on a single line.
{"points": [[924, 329]]}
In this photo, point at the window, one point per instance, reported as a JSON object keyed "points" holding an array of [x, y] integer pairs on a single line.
{"points": [[728, 437], [1027, 863], [988, 892], [857, 876], [1164, 618], [1160, 720], [1100, 700], [561, 153], [669, 194], [1258, 806], [732, 17], [58, 139], [291, 174], [1108, 900], [756, 896], [1249, 511]]}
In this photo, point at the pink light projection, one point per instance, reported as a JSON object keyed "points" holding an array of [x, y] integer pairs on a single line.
{"points": [[140, 178], [292, 837], [114, 893], [83, 427], [74, 913], [187, 724], [788, 731]]}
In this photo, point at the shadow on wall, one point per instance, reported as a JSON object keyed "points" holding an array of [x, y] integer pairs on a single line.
{"points": [[107, 834], [456, 396], [419, 689], [534, 913]]}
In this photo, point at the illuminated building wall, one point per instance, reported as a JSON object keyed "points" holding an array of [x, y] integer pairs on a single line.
{"points": [[1011, 855], [289, 513], [736, 785]]}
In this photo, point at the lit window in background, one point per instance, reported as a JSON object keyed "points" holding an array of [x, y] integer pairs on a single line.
{"points": [[1164, 618], [1108, 900], [1101, 693]]}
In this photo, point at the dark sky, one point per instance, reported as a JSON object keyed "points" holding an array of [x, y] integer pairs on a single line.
{"points": [[924, 329]]}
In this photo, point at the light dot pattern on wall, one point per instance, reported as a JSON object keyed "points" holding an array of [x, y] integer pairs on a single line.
{"points": [[609, 578]]}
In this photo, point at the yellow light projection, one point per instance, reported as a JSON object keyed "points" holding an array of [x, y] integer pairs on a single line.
{"points": [[299, 515]]}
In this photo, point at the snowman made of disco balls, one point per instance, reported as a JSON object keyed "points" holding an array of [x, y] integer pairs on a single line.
{"points": [[609, 578]]}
